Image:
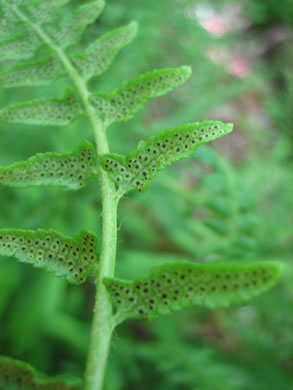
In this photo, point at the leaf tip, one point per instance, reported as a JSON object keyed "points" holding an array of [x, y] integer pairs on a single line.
{"points": [[102, 4], [228, 128], [186, 70], [133, 29], [277, 269]]}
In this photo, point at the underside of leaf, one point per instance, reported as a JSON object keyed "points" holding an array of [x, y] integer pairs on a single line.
{"points": [[32, 74], [72, 258], [9, 29], [174, 286], [23, 2], [72, 29], [100, 54], [137, 169], [41, 11], [16, 375], [19, 48], [22, 28], [44, 112], [123, 103], [69, 171]]}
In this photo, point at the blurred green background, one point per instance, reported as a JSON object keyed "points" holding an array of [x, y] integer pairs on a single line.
{"points": [[232, 201]]}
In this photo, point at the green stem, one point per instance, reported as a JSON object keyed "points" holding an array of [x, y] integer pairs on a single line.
{"points": [[103, 324]]}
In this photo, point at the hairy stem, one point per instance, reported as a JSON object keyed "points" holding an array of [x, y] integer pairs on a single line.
{"points": [[102, 325], [102, 322]]}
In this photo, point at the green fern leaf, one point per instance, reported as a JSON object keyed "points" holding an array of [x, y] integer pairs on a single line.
{"points": [[123, 103], [42, 11], [174, 286], [55, 112], [36, 73], [22, 2], [100, 54], [72, 258], [73, 28], [9, 29], [19, 48], [16, 375], [137, 169], [70, 170]]}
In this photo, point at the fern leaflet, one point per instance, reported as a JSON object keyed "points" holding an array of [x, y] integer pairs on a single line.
{"points": [[137, 169], [174, 286], [73, 258], [122, 104], [54, 112], [66, 170], [17, 375]]}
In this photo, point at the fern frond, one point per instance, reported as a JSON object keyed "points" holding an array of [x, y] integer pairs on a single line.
{"points": [[72, 258], [137, 169], [70, 170], [36, 73], [174, 286], [17, 375], [100, 54], [73, 28], [54, 112], [123, 103]]}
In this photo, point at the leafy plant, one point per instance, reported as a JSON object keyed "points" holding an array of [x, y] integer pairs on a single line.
{"points": [[29, 36]]}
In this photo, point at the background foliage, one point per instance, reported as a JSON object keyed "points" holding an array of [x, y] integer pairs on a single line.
{"points": [[233, 201]]}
